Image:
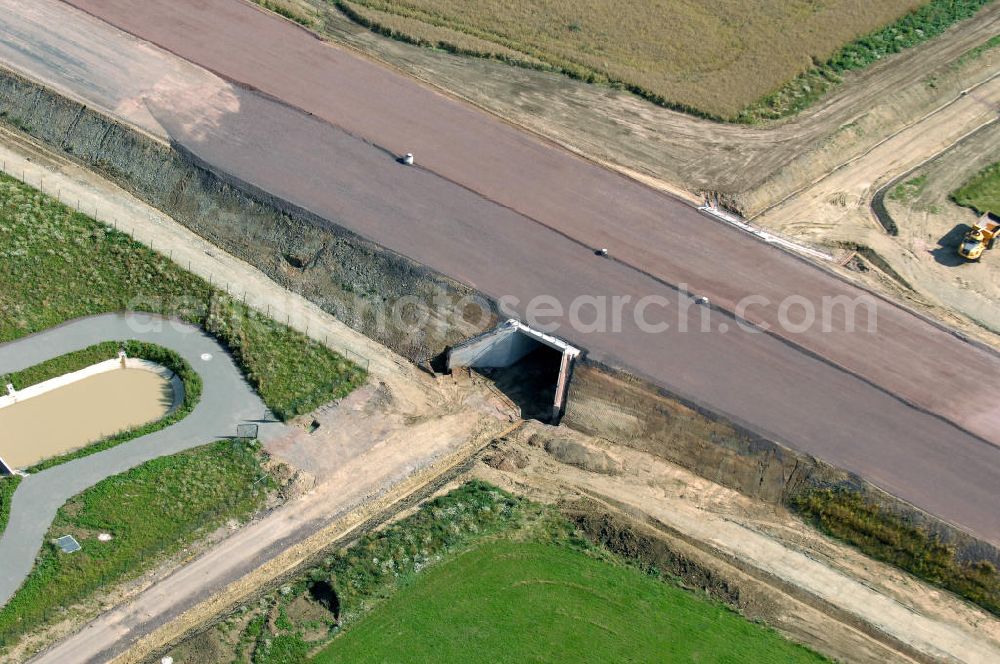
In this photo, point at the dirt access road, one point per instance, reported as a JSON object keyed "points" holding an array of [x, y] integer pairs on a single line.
{"points": [[838, 207], [395, 464], [930, 226], [524, 222]]}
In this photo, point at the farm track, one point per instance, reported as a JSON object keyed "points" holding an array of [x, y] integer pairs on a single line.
{"points": [[360, 495], [891, 406]]}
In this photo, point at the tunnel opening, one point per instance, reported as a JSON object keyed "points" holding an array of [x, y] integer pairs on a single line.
{"points": [[530, 368]]}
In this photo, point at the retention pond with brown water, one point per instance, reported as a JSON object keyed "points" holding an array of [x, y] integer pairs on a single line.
{"points": [[82, 412]]}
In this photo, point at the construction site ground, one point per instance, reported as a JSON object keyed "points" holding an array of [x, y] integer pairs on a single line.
{"points": [[762, 561], [931, 226], [404, 427], [772, 566], [530, 205], [400, 425]]}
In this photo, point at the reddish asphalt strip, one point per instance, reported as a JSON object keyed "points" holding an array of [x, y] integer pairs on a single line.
{"points": [[658, 235], [514, 216], [755, 379]]}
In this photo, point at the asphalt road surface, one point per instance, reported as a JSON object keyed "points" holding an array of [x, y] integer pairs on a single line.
{"points": [[226, 401], [517, 217]]}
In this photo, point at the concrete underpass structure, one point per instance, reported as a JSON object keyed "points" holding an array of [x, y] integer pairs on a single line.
{"points": [[509, 343]]}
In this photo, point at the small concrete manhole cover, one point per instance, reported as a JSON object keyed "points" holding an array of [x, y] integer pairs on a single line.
{"points": [[68, 544], [206, 357]]}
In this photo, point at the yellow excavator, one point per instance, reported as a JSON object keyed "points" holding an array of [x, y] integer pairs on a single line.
{"points": [[980, 237]]}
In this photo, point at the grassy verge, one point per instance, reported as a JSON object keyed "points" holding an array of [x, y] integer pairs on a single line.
{"points": [[913, 29], [982, 192], [506, 578], [7, 487], [292, 373], [63, 364], [150, 511], [85, 357], [57, 264], [883, 536]]}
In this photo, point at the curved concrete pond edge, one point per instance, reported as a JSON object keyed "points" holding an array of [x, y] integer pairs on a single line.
{"points": [[226, 401], [113, 364]]}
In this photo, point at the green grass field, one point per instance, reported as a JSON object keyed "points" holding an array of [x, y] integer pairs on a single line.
{"points": [[520, 601], [482, 575], [982, 192], [746, 61], [57, 264], [151, 511]]}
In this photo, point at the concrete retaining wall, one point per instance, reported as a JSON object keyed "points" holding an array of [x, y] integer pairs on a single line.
{"points": [[499, 348]]}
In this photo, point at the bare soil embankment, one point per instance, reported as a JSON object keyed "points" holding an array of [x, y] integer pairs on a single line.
{"points": [[620, 408]]}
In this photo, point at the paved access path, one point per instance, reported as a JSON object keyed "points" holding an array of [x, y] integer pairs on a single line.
{"points": [[226, 400]]}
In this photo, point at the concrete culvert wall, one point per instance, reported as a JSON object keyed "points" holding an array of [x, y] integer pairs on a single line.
{"points": [[530, 367]]}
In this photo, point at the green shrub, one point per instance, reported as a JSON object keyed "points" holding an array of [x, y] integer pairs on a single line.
{"points": [[282, 649]]}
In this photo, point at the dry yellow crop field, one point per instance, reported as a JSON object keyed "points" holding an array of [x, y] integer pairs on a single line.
{"points": [[713, 56]]}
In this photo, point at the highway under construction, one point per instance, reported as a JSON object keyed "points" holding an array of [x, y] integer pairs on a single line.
{"points": [[878, 390]]}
